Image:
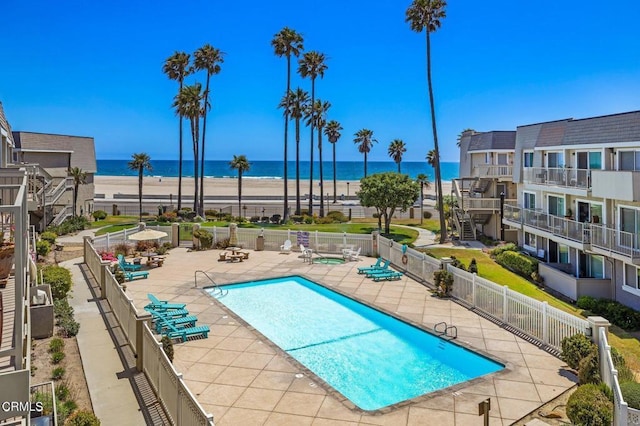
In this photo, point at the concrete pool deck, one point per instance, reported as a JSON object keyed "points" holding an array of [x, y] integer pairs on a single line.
{"points": [[241, 379]]}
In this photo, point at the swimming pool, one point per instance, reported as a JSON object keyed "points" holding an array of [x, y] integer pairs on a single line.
{"points": [[329, 260], [371, 358]]}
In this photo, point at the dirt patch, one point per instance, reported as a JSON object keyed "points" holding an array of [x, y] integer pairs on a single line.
{"points": [[42, 367], [552, 413], [68, 252]]}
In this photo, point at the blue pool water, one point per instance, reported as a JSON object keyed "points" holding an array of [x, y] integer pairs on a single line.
{"points": [[371, 358]]}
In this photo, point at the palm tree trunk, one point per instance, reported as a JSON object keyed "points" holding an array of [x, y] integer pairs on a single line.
{"points": [[321, 175], [297, 166], [204, 134], [365, 164], [399, 167], [239, 191], [313, 95], [335, 188], [196, 142], [421, 202], [443, 229], [285, 215], [180, 162], [140, 173], [75, 200]]}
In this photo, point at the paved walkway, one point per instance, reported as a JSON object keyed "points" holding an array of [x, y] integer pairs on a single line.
{"points": [[111, 394]]}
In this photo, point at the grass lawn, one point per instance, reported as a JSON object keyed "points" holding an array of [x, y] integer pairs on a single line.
{"points": [[627, 344]]}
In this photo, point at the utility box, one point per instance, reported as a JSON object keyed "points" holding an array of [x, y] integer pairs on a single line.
{"points": [[41, 307], [260, 243]]}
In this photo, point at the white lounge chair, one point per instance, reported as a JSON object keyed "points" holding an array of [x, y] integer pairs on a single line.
{"points": [[355, 255], [286, 247], [306, 253]]}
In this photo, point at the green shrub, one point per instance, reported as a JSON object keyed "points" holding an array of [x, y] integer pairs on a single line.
{"points": [[46, 398], [256, 219], [606, 390], [324, 220], [427, 215], [575, 348], [204, 237], [62, 391], [61, 308], [589, 368], [59, 278], [456, 263], [56, 357], [337, 216], [49, 236], [308, 220], [473, 266], [631, 394], [518, 263], [82, 418], [167, 347], [588, 406], [56, 345], [43, 248], [507, 247], [223, 243], [70, 225], [65, 409], [443, 281], [122, 248], [99, 215], [616, 312], [68, 327], [57, 373]]}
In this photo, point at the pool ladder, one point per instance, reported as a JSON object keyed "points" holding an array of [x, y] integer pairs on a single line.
{"points": [[449, 331], [217, 290]]}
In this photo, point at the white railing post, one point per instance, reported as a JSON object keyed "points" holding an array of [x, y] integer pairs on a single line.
{"points": [[505, 304], [473, 290], [424, 256], [289, 234], [317, 241], [344, 240], [545, 323], [107, 240]]}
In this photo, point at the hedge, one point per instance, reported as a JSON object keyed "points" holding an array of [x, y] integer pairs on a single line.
{"points": [[59, 279], [518, 263], [589, 406], [631, 394], [616, 312], [575, 348]]}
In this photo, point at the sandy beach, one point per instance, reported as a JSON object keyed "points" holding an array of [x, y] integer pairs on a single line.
{"points": [[110, 185]]}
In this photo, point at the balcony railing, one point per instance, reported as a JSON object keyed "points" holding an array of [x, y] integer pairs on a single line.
{"points": [[559, 226], [477, 203], [512, 213], [565, 177], [491, 170], [611, 240]]}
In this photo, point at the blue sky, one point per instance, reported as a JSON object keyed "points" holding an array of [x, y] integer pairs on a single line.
{"points": [[93, 68]]}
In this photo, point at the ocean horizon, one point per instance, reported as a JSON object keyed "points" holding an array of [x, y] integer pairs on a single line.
{"points": [[345, 170]]}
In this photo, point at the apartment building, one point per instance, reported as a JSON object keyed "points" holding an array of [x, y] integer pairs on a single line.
{"points": [[578, 204], [485, 184]]}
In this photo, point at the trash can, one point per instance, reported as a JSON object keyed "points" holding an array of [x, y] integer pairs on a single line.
{"points": [[260, 243]]}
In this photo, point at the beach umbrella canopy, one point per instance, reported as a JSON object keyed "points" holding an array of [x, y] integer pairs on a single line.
{"points": [[233, 234], [147, 234]]}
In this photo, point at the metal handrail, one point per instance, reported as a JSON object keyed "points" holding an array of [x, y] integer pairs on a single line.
{"points": [[215, 285]]}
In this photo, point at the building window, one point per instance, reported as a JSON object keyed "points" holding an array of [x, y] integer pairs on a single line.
{"points": [[555, 159], [530, 240], [487, 158], [563, 253], [629, 160], [502, 159], [528, 159], [631, 276], [595, 266], [556, 206], [529, 200]]}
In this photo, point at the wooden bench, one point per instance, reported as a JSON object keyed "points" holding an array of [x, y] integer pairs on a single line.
{"points": [[157, 261], [235, 257]]}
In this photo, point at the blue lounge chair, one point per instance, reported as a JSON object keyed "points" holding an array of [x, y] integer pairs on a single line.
{"points": [[162, 324], [389, 276], [162, 305], [130, 276], [184, 333], [172, 314], [379, 266], [127, 266]]}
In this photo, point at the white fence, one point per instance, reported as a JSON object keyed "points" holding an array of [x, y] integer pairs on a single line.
{"points": [[109, 240], [179, 403]]}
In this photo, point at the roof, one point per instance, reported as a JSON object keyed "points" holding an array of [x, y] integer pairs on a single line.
{"points": [[493, 140], [4, 124], [82, 148]]}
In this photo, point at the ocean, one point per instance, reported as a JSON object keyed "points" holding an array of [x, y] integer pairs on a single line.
{"points": [[345, 170]]}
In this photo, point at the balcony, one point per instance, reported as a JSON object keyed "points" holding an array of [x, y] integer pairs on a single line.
{"points": [[493, 171], [621, 245], [621, 185], [579, 179], [559, 278], [512, 216], [469, 204]]}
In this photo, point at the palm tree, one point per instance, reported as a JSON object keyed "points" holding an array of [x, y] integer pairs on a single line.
{"points": [[241, 164], [332, 131], [176, 67], [187, 104], [140, 162], [312, 65], [297, 105], [426, 15], [286, 43], [206, 58], [462, 133], [396, 149], [364, 138], [423, 180], [79, 178], [431, 160], [318, 116]]}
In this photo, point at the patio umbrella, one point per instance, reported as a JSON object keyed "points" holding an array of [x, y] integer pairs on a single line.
{"points": [[147, 234], [233, 234]]}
